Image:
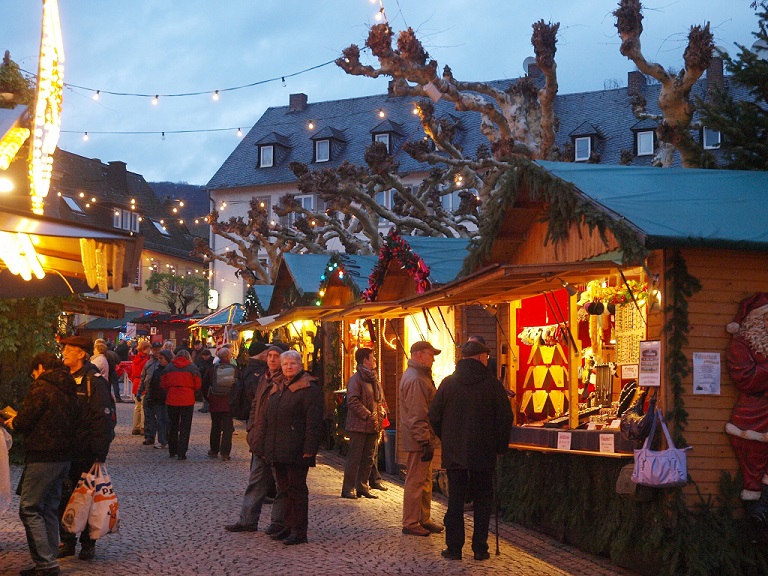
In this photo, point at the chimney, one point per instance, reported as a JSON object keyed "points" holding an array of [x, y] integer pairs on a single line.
{"points": [[297, 102], [117, 175], [635, 83], [715, 81], [534, 71]]}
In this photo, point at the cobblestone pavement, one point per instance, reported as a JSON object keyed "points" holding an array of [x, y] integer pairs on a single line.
{"points": [[172, 515]]}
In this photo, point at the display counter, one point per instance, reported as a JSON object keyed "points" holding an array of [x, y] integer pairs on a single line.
{"points": [[586, 442]]}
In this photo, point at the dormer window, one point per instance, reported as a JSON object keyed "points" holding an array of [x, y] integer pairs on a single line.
{"points": [[582, 148], [266, 156], [72, 204], [645, 142], [322, 150], [710, 138], [383, 138]]}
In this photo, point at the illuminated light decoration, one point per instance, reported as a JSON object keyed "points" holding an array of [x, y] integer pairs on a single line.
{"points": [[181, 203], [10, 145], [239, 133], [174, 210], [6, 185], [133, 200], [93, 199], [156, 100], [311, 125], [96, 95], [82, 194], [197, 221], [283, 79], [415, 111], [85, 137], [19, 255], [46, 124], [181, 221], [216, 96], [87, 204], [382, 114]]}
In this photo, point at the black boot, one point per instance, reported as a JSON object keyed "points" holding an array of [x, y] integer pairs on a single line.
{"points": [[758, 514]]}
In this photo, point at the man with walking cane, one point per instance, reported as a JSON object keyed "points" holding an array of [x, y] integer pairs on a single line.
{"points": [[472, 417]]}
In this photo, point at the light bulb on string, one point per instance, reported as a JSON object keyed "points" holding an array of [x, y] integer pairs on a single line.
{"points": [[85, 137], [382, 114], [156, 100], [163, 136], [96, 95], [283, 79], [239, 133], [311, 125], [216, 96]]}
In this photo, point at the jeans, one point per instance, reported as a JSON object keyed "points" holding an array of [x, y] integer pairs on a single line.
{"points": [[292, 481], [357, 468], [222, 428], [479, 483], [155, 420], [179, 428], [39, 507], [76, 469], [260, 483]]}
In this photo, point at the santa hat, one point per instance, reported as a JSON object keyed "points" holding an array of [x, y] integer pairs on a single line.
{"points": [[754, 305]]}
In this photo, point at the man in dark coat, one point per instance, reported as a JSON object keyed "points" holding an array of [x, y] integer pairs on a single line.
{"points": [[47, 418], [472, 417], [95, 431]]}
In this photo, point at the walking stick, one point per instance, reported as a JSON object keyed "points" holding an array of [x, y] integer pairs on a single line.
{"points": [[496, 503]]}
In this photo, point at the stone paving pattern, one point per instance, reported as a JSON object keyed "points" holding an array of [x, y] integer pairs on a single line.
{"points": [[172, 515]]}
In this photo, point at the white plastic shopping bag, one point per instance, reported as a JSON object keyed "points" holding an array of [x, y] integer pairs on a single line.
{"points": [[75, 517], [104, 517], [5, 470]]}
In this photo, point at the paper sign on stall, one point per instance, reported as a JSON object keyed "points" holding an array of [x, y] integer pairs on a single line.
{"points": [[607, 443], [706, 373], [563, 440], [650, 363]]}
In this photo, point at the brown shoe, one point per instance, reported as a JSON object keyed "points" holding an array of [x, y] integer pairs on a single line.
{"points": [[416, 531], [432, 527]]}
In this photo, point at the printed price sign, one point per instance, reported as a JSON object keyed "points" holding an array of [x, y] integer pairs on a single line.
{"points": [[563, 440], [606, 443]]}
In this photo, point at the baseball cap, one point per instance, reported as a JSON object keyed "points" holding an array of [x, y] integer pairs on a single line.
{"points": [[423, 345]]}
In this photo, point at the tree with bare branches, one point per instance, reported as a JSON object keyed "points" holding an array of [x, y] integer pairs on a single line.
{"points": [[677, 107]]}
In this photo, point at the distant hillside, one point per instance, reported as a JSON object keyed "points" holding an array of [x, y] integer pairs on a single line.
{"points": [[196, 203]]}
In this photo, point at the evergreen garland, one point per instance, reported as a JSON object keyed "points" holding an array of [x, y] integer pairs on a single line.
{"points": [[395, 247]]}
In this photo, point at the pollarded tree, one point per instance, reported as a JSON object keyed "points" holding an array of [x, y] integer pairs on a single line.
{"points": [[677, 107], [743, 124], [181, 294]]}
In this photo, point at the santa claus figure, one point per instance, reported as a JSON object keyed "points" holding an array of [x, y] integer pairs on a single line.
{"points": [[747, 361]]}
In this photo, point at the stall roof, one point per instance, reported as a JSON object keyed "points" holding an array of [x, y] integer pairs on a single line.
{"points": [[232, 314], [264, 294], [388, 309], [292, 315], [443, 256], [113, 323], [359, 268], [718, 208], [306, 269]]}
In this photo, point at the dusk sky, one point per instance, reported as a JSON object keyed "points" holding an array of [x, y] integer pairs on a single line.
{"points": [[173, 47]]}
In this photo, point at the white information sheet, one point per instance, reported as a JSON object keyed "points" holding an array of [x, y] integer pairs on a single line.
{"points": [[563, 440], [706, 373], [650, 363]]}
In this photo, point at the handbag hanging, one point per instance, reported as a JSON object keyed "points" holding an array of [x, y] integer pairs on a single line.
{"points": [[664, 468]]}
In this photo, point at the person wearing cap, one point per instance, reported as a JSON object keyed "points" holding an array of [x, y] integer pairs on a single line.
{"points": [[253, 370], [153, 397], [261, 480], [180, 380], [143, 354], [472, 417], [365, 414], [417, 389], [747, 362], [95, 432]]}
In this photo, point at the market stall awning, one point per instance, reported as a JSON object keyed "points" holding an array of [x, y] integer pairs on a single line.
{"points": [[110, 323], [502, 283], [94, 307], [292, 315], [363, 310], [232, 314]]}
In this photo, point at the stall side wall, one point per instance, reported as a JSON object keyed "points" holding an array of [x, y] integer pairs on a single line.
{"points": [[727, 277]]}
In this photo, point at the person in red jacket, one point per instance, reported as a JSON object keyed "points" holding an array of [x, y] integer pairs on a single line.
{"points": [[143, 353], [180, 379]]}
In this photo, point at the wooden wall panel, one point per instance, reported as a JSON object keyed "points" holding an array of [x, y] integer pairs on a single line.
{"points": [[573, 249], [727, 277]]}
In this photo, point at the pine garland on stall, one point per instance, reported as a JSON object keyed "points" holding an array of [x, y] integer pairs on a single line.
{"points": [[395, 247]]}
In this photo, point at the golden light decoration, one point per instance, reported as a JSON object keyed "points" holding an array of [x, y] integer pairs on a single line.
{"points": [[19, 255], [10, 145], [47, 113]]}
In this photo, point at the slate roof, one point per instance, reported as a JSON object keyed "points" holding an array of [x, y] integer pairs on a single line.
{"points": [[608, 111], [717, 208]]}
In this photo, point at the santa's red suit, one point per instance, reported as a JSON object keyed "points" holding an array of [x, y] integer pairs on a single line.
{"points": [[748, 427]]}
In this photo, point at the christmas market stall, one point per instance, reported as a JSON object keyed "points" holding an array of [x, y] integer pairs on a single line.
{"points": [[613, 286], [221, 327]]}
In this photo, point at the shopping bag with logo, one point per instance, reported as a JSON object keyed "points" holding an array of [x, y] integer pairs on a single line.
{"points": [[75, 517], [664, 468], [104, 517]]}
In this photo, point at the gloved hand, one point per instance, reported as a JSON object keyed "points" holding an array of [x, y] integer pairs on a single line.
{"points": [[428, 453]]}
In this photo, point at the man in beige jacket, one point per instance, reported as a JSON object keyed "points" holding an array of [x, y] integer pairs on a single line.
{"points": [[417, 389]]}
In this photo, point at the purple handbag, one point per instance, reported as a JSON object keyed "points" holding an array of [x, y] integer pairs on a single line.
{"points": [[662, 469]]}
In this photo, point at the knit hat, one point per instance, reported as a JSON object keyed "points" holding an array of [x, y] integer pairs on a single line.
{"points": [[167, 354], [282, 345], [755, 304], [256, 348], [274, 348], [473, 348]]}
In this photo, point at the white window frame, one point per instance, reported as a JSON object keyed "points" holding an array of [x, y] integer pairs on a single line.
{"points": [[383, 138], [126, 220], [160, 228], [706, 134], [576, 142], [642, 143], [384, 198], [325, 147], [135, 222], [72, 204], [137, 278], [117, 218], [307, 202], [266, 161], [154, 266]]}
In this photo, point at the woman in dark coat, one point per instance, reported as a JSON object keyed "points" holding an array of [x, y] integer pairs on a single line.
{"points": [[289, 437]]}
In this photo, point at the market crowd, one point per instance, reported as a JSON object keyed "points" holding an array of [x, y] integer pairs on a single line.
{"points": [[68, 420]]}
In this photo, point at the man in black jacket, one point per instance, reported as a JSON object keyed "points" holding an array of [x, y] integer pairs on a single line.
{"points": [[47, 418], [472, 417], [95, 431]]}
